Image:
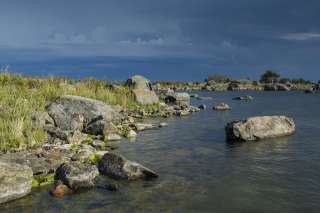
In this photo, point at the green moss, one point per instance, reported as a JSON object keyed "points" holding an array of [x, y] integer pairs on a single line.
{"points": [[94, 158], [123, 130], [42, 181]]}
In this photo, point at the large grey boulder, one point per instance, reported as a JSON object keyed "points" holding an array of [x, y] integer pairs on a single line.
{"points": [[72, 113], [77, 175], [118, 167], [145, 96], [178, 98], [142, 90], [139, 82], [257, 128], [15, 181]]}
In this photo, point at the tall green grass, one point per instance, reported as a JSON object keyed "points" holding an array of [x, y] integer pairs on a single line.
{"points": [[21, 95]]}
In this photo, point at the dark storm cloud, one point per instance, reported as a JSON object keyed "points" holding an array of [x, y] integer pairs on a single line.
{"points": [[241, 38]]}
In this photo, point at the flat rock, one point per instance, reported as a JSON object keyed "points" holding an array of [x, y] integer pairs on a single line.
{"points": [[258, 128]]}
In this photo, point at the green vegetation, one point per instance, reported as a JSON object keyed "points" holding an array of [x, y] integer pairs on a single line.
{"points": [[21, 95], [42, 181]]}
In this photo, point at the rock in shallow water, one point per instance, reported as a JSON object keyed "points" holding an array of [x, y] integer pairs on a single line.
{"points": [[77, 175], [15, 181], [222, 107], [118, 167], [257, 128]]}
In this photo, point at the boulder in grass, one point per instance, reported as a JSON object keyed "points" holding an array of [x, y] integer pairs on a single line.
{"points": [[72, 113], [258, 128], [142, 90]]}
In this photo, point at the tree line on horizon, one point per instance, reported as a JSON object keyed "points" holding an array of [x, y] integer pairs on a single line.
{"points": [[269, 76]]}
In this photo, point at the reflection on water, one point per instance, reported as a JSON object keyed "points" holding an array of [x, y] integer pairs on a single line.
{"points": [[200, 172]]}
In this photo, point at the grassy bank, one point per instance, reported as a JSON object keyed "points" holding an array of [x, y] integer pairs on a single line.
{"points": [[21, 95]]}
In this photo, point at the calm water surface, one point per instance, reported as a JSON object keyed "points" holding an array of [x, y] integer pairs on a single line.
{"points": [[200, 172]]}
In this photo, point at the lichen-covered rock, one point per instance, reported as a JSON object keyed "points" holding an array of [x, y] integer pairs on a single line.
{"points": [[257, 128], [77, 175], [76, 113], [15, 181], [118, 167]]}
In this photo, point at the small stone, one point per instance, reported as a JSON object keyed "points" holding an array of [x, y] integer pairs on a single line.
{"points": [[113, 137], [98, 144], [60, 190], [131, 134], [163, 124], [202, 107], [222, 107]]}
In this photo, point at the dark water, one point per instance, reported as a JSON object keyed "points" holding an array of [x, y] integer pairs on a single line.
{"points": [[200, 172]]}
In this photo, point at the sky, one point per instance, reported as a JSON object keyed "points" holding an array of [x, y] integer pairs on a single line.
{"points": [[163, 40]]}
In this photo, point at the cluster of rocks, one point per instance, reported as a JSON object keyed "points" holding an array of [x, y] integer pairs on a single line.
{"points": [[237, 85], [76, 151]]}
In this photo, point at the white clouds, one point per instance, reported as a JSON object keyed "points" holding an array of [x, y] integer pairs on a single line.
{"points": [[144, 42], [301, 36]]}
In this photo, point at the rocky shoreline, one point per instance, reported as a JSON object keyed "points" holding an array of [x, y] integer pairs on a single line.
{"points": [[80, 132], [79, 144]]}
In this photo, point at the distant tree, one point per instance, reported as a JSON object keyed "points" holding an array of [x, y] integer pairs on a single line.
{"points": [[269, 77], [255, 83]]}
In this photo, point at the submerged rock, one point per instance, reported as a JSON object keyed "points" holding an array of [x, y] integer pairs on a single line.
{"points": [[222, 107], [118, 167], [15, 181], [244, 98], [60, 190], [77, 175], [257, 128]]}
